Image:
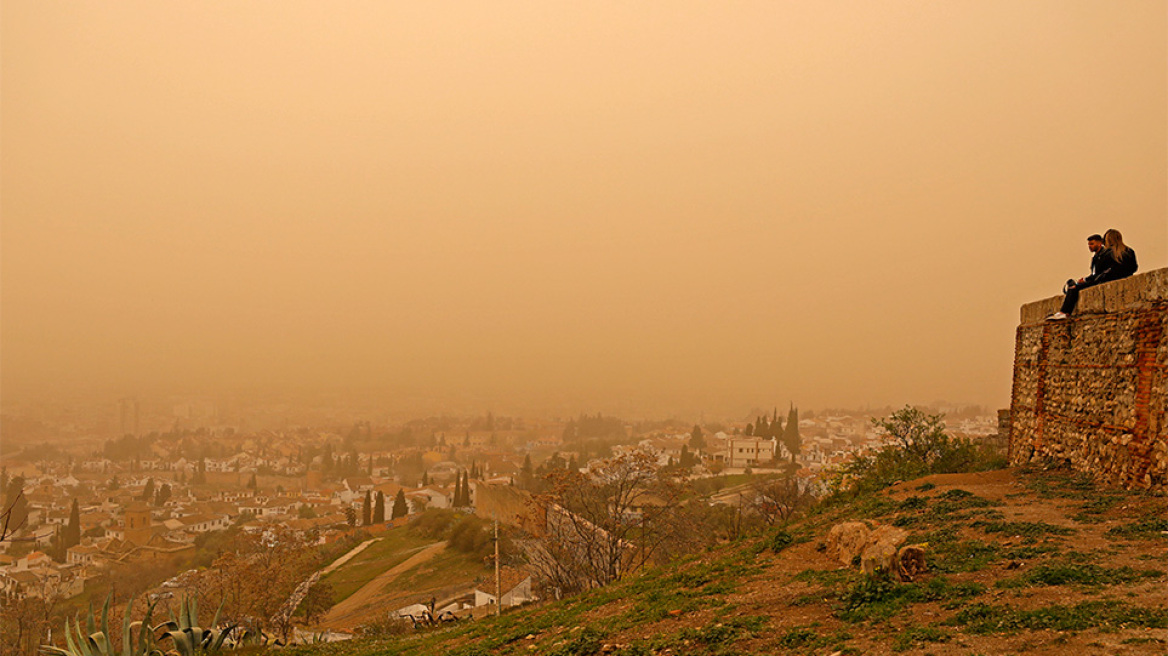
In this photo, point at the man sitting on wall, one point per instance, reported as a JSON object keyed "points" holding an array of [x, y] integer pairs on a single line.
{"points": [[1112, 260]]}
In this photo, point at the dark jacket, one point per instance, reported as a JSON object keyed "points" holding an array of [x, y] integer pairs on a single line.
{"points": [[1104, 267]]}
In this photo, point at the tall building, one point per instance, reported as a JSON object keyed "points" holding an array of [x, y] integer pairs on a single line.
{"points": [[137, 523]]}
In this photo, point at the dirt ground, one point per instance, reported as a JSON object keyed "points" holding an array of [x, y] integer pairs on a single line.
{"points": [[790, 603]]}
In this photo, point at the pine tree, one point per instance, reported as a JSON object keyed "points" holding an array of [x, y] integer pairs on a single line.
{"points": [[379, 509], [367, 509], [400, 509]]}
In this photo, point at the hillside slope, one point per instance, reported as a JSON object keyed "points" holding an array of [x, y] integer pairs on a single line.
{"points": [[1020, 562]]}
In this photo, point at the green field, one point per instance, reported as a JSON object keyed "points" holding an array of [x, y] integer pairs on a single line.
{"points": [[395, 547], [449, 568]]}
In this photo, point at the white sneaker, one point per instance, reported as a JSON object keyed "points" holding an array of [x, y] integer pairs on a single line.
{"points": [[1057, 316]]}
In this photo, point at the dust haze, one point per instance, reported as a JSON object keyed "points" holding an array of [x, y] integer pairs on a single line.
{"points": [[681, 206]]}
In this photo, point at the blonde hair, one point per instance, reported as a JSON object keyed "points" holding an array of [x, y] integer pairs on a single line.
{"points": [[1114, 240]]}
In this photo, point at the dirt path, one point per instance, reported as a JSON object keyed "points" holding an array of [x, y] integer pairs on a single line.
{"points": [[355, 609], [348, 556]]}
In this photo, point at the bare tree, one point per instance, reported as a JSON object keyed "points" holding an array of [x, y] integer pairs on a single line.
{"points": [[592, 528], [777, 500], [11, 518]]}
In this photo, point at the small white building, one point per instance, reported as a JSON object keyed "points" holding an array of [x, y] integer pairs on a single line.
{"points": [[745, 451]]}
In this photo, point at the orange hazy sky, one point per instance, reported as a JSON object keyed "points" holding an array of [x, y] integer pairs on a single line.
{"points": [[693, 205]]}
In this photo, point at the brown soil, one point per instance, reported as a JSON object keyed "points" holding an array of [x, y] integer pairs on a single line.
{"points": [[774, 594]]}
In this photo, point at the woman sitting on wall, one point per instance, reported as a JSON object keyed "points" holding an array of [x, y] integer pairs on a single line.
{"points": [[1117, 261]]}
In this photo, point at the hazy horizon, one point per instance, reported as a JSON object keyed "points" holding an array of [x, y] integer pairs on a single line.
{"points": [[679, 206]]}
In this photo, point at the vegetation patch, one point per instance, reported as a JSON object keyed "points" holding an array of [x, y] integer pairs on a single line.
{"points": [[986, 618], [1144, 529], [1079, 573], [711, 635], [963, 555], [808, 638], [879, 599], [911, 636], [588, 642], [1022, 529]]}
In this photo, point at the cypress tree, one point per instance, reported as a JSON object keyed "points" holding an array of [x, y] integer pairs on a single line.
{"points": [[456, 501], [400, 509], [148, 491], [696, 439], [791, 438], [425, 479], [466, 489], [163, 495], [379, 509], [72, 535], [367, 509]]}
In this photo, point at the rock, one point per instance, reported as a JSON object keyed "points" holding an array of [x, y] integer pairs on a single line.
{"points": [[883, 546], [910, 561], [846, 541]]}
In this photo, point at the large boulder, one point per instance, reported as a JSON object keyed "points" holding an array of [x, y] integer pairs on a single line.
{"points": [[876, 549], [846, 541], [880, 552]]}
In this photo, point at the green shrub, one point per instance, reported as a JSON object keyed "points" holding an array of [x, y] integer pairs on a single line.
{"points": [[919, 446]]}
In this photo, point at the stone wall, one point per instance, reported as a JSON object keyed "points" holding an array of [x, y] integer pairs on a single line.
{"points": [[1091, 390]]}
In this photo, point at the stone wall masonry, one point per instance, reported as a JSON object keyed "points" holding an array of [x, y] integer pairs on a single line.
{"points": [[1092, 390]]}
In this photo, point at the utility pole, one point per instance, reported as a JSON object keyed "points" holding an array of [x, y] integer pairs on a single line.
{"points": [[498, 578]]}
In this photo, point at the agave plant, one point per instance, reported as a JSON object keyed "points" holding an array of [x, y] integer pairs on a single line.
{"points": [[189, 638], [95, 642]]}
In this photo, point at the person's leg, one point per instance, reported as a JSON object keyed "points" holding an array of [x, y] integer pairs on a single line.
{"points": [[1070, 300]]}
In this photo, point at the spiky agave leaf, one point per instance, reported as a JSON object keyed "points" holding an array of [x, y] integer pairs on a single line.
{"points": [[193, 612], [83, 645], [217, 644], [127, 636], [105, 632], [183, 642]]}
